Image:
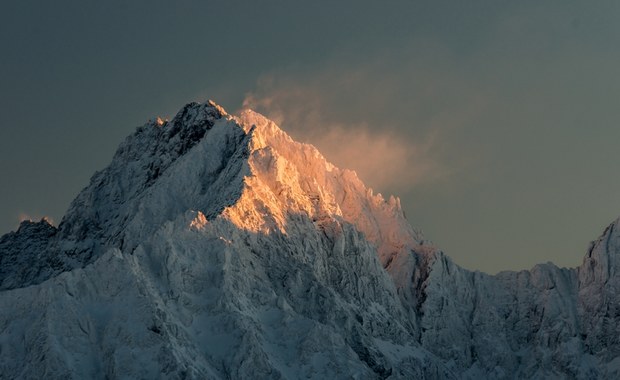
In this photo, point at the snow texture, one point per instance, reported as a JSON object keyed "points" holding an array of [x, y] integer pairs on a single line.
{"points": [[214, 246]]}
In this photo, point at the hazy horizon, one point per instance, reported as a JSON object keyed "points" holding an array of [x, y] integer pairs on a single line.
{"points": [[494, 122]]}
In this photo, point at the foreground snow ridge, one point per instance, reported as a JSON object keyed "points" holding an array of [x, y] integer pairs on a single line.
{"points": [[214, 246]]}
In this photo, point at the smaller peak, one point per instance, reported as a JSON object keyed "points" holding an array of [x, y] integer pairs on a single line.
{"points": [[30, 225], [44, 220], [249, 118], [213, 104], [265, 132], [248, 113], [195, 114], [47, 220], [208, 106], [602, 261], [26, 223], [157, 121]]}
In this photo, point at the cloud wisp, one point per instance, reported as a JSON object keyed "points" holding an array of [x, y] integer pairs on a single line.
{"points": [[383, 157]]}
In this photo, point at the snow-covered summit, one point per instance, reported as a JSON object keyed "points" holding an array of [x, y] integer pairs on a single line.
{"points": [[205, 159], [215, 246]]}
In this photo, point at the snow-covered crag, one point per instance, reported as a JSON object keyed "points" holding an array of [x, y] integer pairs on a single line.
{"points": [[215, 246]]}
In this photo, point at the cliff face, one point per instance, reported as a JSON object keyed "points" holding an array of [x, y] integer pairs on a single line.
{"points": [[215, 246]]}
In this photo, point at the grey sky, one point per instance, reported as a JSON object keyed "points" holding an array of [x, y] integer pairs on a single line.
{"points": [[501, 114]]}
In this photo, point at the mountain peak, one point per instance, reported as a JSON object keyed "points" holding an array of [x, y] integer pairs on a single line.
{"points": [[602, 262], [205, 160], [243, 168], [213, 104], [27, 224], [194, 114], [215, 246]]}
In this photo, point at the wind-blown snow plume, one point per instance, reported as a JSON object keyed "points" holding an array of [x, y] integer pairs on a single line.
{"points": [[382, 156]]}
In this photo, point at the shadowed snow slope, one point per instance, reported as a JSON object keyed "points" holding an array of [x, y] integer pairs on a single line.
{"points": [[215, 246]]}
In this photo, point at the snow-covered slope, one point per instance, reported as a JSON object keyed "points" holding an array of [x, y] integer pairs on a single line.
{"points": [[215, 246]]}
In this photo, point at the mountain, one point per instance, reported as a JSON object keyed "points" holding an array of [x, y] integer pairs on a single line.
{"points": [[214, 246]]}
